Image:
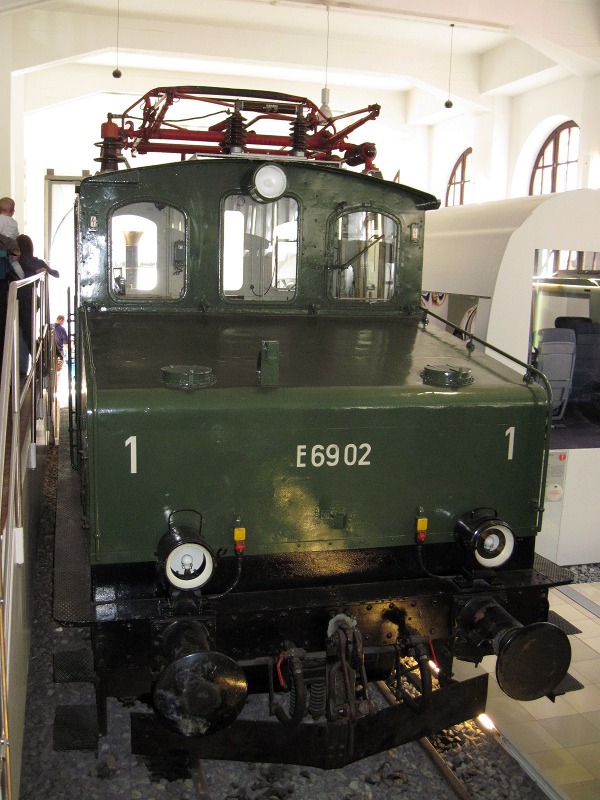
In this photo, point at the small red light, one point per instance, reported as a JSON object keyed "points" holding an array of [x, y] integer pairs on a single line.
{"points": [[421, 536], [562, 457]]}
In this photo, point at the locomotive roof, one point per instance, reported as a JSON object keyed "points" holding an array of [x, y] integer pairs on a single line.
{"points": [[421, 199]]}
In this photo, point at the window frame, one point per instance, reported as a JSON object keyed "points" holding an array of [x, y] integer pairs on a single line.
{"points": [[331, 247], [553, 142], [232, 298], [460, 165], [141, 298]]}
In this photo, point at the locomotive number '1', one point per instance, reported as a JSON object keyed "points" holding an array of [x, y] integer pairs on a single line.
{"points": [[510, 432], [330, 455], [132, 442]]}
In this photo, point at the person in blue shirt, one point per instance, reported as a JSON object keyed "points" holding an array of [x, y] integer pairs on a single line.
{"points": [[60, 337]]}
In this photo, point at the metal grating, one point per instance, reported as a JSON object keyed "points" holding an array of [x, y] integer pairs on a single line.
{"points": [[552, 571], [75, 728], [72, 587], [73, 666]]}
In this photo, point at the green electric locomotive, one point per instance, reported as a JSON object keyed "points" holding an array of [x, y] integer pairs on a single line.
{"points": [[293, 486]]}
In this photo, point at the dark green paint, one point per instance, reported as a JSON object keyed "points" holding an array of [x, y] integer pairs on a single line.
{"points": [[347, 374]]}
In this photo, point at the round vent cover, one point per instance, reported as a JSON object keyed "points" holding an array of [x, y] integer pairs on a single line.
{"points": [[187, 376], [446, 375]]}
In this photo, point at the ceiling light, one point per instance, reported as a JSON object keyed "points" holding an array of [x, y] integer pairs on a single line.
{"points": [[117, 72], [449, 103]]}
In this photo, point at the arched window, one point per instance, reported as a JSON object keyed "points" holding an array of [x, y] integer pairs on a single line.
{"points": [[459, 185], [555, 167]]}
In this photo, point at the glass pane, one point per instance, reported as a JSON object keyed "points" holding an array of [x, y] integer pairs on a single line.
{"points": [[575, 260], [467, 168], [546, 180], [567, 147], [147, 252], [364, 259], [547, 155], [561, 177], [545, 263], [563, 259], [260, 249], [467, 193], [574, 144], [571, 176]]}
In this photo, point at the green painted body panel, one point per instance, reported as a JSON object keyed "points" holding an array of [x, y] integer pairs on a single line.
{"points": [[348, 379], [232, 449]]}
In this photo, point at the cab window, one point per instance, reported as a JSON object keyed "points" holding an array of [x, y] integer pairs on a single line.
{"points": [[148, 252], [260, 249], [363, 266]]}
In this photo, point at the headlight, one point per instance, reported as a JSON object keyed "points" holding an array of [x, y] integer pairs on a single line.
{"points": [[189, 566], [185, 558], [489, 539], [269, 182]]}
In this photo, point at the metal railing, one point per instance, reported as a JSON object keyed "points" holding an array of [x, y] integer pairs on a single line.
{"points": [[36, 388]]}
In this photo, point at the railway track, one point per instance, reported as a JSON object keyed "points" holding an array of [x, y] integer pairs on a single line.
{"points": [[442, 767]]}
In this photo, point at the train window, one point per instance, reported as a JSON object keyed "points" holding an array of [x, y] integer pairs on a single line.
{"points": [[148, 252], [364, 257], [565, 341], [550, 263], [260, 249]]}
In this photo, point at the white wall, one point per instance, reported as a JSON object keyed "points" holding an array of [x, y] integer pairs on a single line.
{"points": [[448, 141], [570, 530], [534, 116], [507, 138]]}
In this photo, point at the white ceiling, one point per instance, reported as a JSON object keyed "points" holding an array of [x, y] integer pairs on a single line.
{"points": [[402, 45]]}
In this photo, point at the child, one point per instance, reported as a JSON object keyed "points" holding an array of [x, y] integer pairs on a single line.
{"points": [[9, 227]]}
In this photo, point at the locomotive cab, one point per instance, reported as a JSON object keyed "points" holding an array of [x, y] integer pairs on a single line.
{"points": [[279, 466]]}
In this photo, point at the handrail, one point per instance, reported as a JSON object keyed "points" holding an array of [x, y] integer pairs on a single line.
{"points": [[13, 394], [531, 373]]}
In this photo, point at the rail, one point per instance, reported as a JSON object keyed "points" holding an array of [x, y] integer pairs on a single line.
{"points": [[531, 374], [17, 394]]}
